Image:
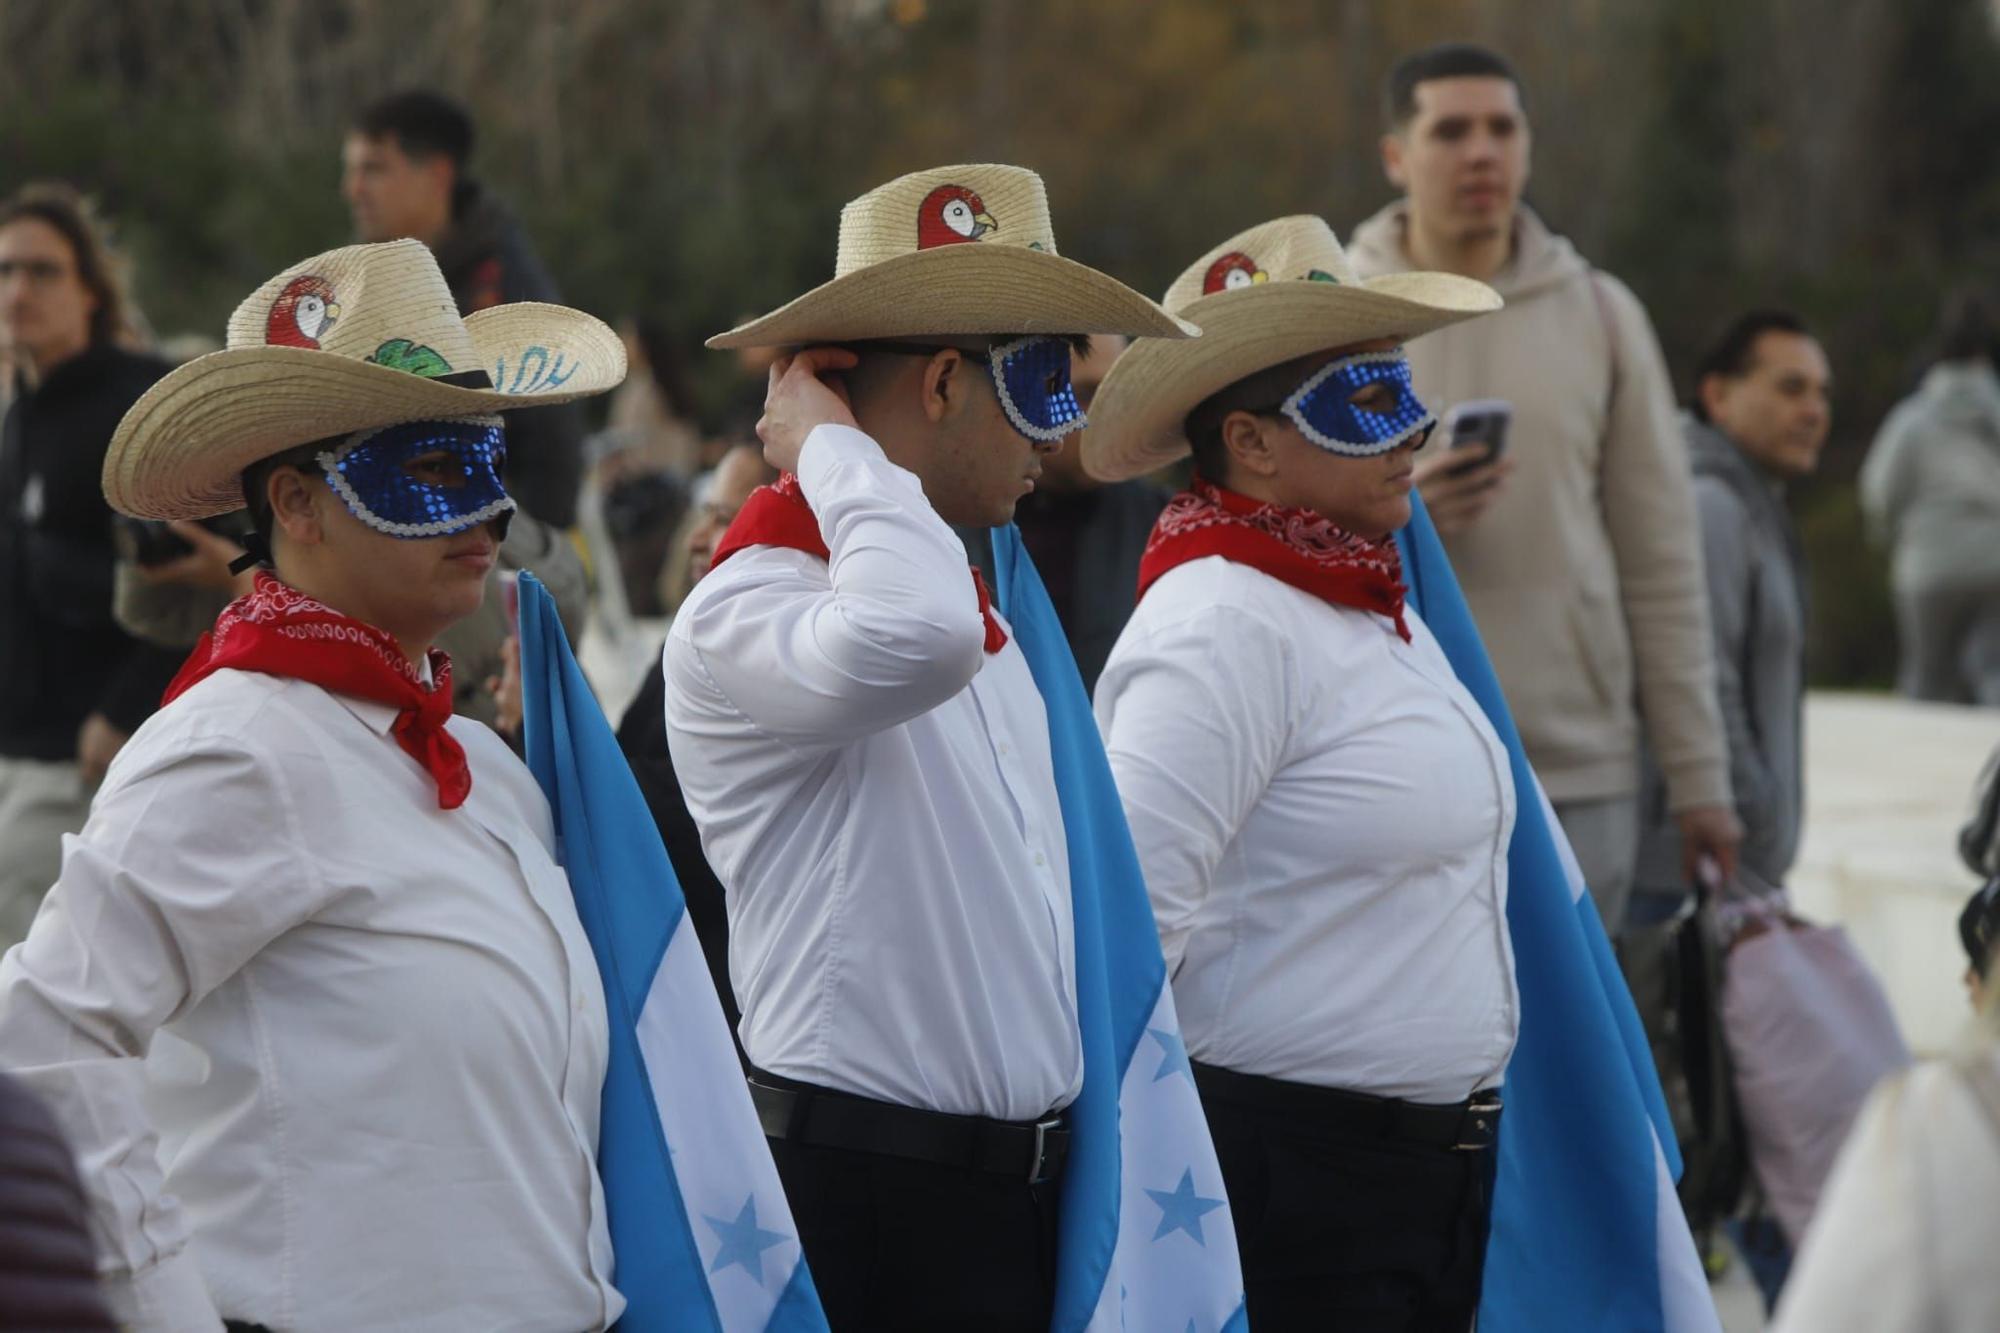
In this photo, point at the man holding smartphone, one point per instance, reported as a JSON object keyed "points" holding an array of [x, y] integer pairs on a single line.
{"points": [[1579, 549]]}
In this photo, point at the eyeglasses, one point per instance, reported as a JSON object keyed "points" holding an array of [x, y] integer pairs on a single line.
{"points": [[39, 272]]}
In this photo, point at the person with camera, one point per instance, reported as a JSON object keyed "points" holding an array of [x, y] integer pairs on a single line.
{"points": [[73, 685]]}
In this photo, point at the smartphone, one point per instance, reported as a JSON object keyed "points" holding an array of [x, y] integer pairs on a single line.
{"points": [[510, 598], [1478, 423]]}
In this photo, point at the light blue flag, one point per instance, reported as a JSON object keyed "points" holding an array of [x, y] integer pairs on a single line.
{"points": [[1588, 1233], [703, 1237], [1147, 1241]]}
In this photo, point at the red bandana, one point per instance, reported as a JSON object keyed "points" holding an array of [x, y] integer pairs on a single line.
{"points": [[1295, 546], [778, 515], [280, 631]]}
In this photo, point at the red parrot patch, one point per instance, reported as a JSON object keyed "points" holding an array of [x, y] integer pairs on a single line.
{"points": [[302, 314], [1234, 269], [952, 215]]}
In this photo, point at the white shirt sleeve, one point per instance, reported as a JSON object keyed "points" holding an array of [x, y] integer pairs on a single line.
{"points": [[897, 634], [1195, 719], [185, 869]]}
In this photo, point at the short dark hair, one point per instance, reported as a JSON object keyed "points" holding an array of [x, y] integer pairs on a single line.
{"points": [[1258, 393], [1734, 350], [1966, 327], [1447, 60], [97, 265], [423, 124], [256, 488]]}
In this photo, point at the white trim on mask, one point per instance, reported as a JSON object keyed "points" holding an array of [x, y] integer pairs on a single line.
{"points": [[995, 356], [1349, 448], [329, 461]]}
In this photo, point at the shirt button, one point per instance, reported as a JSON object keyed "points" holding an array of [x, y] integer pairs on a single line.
{"points": [[1041, 860]]}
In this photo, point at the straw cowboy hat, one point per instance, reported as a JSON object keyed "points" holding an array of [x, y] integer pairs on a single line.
{"points": [[1263, 297], [964, 249], [359, 337]]}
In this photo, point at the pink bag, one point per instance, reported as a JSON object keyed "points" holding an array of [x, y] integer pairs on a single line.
{"points": [[1810, 1034]]}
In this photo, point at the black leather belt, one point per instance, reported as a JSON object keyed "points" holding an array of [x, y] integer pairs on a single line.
{"points": [[1033, 1151], [1468, 1126]]}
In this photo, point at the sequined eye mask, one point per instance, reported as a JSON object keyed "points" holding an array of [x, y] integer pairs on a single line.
{"points": [[1323, 407], [1031, 376], [422, 478]]}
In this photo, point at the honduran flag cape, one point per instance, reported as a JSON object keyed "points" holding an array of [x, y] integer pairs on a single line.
{"points": [[1587, 1231], [1147, 1242], [703, 1237]]}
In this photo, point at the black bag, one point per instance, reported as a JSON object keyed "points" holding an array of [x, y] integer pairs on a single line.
{"points": [[1674, 970]]}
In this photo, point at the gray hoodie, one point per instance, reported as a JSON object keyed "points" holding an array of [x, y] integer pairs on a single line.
{"points": [[1756, 600], [1585, 576], [1931, 485]]}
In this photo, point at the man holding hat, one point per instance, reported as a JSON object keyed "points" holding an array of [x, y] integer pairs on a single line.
{"points": [[869, 759], [1322, 810], [379, 1106]]}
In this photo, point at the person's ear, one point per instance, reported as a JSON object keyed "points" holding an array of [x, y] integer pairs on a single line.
{"points": [[944, 384], [1392, 160], [1712, 390], [295, 506], [1247, 438]]}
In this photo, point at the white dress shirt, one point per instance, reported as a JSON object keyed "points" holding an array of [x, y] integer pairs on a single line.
{"points": [[1322, 812], [876, 794], [377, 1032]]}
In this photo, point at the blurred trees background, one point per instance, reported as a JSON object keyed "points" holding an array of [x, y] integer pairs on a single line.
{"points": [[684, 160]]}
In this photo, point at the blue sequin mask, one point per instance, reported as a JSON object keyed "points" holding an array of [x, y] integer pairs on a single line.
{"points": [[1031, 375], [423, 478], [1323, 407]]}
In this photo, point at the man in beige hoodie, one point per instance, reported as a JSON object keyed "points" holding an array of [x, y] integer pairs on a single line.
{"points": [[1578, 550]]}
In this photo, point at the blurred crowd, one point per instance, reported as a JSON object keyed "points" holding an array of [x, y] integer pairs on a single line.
{"points": [[1626, 547]]}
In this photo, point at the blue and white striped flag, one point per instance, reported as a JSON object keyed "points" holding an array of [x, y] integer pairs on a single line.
{"points": [[1147, 1241], [1587, 1230], [703, 1237]]}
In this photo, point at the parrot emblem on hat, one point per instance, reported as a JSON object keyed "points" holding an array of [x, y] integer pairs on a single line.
{"points": [[302, 314], [950, 215], [1233, 270]]}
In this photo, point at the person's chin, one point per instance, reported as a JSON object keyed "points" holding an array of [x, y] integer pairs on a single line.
{"points": [[1394, 515]]}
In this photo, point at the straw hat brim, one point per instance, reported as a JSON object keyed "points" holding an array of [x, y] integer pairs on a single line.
{"points": [[181, 449], [1138, 415], [973, 289]]}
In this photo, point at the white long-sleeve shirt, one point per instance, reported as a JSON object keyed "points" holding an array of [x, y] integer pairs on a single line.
{"points": [[376, 1030], [876, 793], [1322, 813]]}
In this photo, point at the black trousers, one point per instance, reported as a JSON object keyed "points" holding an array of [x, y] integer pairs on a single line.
{"points": [[898, 1245], [1345, 1234]]}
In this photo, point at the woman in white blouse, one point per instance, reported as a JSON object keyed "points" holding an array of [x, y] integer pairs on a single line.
{"points": [[1321, 809], [310, 996]]}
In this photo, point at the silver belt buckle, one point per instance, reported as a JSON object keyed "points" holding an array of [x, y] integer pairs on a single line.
{"points": [[1478, 1111], [1042, 1128]]}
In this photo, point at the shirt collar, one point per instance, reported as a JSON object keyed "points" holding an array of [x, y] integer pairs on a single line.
{"points": [[380, 717]]}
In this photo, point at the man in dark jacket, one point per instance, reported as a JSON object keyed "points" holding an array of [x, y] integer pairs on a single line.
{"points": [[403, 174], [1758, 421], [73, 685], [642, 733]]}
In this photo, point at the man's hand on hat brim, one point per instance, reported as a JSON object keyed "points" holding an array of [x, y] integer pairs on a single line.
{"points": [[801, 398]]}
